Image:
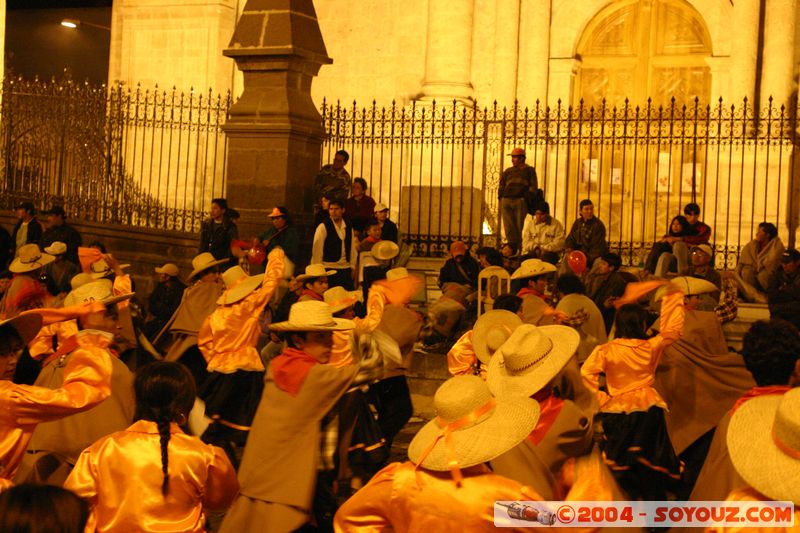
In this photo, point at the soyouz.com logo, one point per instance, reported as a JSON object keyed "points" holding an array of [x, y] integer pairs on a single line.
{"points": [[643, 514]]}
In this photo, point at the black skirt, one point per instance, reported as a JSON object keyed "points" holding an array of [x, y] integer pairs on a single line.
{"points": [[232, 399]]}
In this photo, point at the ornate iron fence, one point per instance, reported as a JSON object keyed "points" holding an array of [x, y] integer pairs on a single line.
{"points": [[127, 156], [438, 167]]}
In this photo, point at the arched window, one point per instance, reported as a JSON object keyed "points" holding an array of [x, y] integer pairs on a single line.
{"points": [[644, 48]]}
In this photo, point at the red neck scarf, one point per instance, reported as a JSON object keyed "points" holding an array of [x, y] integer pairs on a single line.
{"points": [[309, 292], [755, 392], [526, 291], [551, 406], [290, 369]]}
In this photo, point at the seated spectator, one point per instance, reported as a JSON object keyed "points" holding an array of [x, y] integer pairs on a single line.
{"points": [[542, 233], [573, 299], [359, 208], [703, 268], [488, 256], [697, 233], [59, 230], [678, 228], [373, 235], [783, 292], [758, 262], [165, 298], [511, 259], [605, 284], [461, 269], [59, 273], [588, 234], [283, 234], [388, 228]]}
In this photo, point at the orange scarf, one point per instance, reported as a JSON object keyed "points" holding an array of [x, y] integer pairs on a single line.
{"points": [[526, 291], [755, 392], [309, 292], [551, 406], [290, 368]]}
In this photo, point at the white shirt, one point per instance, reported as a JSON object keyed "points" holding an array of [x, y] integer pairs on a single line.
{"points": [[317, 248], [548, 237]]}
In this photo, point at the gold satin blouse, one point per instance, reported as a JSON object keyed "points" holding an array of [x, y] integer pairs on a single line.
{"points": [[42, 345], [342, 351], [404, 499], [121, 477], [87, 382], [228, 337], [630, 364], [461, 359]]}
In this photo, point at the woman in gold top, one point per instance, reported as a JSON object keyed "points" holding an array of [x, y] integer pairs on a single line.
{"points": [[152, 476]]}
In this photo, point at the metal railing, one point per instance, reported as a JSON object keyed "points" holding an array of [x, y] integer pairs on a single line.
{"points": [[438, 167], [119, 155]]}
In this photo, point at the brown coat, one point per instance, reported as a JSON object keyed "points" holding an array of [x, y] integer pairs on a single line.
{"points": [[279, 468], [198, 302], [718, 478]]}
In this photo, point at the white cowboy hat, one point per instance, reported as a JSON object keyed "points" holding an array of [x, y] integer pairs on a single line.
{"points": [[27, 325], [380, 207], [170, 269], [492, 329], [312, 315], [29, 259], [340, 298], [238, 285], [99, 290], [100, 269], [203, 262], [530, 358], [471, 426], [397, 273], [57, 248], [315, 270], [688, 285], [80, 279], [764, 444], [532, 267], [385, 250]]}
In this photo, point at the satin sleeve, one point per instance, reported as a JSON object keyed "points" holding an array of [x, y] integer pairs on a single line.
{"points": [[222, 487], [367, 511], [672, 317], [87, 382], [83, 478], [122, 285], [42, 344], [594, 365], [461, 357], [376, 302], [272, 275]]}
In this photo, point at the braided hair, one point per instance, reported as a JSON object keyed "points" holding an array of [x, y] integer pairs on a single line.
{"points": [[165, 392]]}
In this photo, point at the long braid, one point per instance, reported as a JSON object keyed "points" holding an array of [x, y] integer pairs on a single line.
{"points": [[163, 431]]}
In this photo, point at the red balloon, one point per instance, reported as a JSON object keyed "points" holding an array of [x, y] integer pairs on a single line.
{"points": [[577, 261], [256, 255]]}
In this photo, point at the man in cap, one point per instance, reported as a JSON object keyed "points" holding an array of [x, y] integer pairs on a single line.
{"points": [[783, 292], [59, 230], [165, 298], [28, 229], [60, 272], [703, 268], [516, 184], [388, 228]]}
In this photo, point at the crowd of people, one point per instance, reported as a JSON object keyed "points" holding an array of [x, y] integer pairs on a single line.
{"points": [[273, 394]]}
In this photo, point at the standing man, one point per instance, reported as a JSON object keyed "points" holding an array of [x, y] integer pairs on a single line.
{"points": [[333, 181], [218, 232], [334, 247], [27, 230], [59, 231], [697, 233], [517, 181]]}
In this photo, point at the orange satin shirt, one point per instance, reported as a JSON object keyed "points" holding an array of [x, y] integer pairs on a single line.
{"points": [[121, 477], [404, 499], [748, 494], [461, 359], [87, 382], [228, 337], [42, 345], [342, 351], [630, 364]]}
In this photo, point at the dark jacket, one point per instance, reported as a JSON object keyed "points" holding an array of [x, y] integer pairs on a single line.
{"points": [[451, 272], [217, 238], [588, 237], [35, 230], [287, 238], [784, 296], [66, 234], [389, 231]]}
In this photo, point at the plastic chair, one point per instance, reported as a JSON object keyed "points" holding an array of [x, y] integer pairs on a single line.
{"points": [[492, 282]]}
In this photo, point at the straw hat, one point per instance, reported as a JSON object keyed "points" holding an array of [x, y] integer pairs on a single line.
{"points": [[479, 427], [29, 259], [492, 329], [100, 269], [99, 290], [238, 285], [80, 279], [397, 273], [764, 443], [532, 267], [340, 298], [170, 269], [57, 248], [385, 250], [312, 315], [315, 271], [381, 207], [688, 285], [203, 262], [530, 358], [27, 325]]}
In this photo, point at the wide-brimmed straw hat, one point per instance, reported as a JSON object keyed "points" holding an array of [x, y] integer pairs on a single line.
{"points": [[688, 285], [170, 269], [492, 329], [80, 279], [385, 250], [530, 358], [203, 262], [99, 290], [312, 315], [764, 443], [29, 259], [57, 248], [100, 269], [316, 270], [238, 285], [27, 325], [532, 267], [471, 426], [397, 273], [340, 298]]}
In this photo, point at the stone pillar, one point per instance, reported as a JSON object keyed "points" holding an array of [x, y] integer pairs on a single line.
{"points": [[744, 53], [777, 72], [274, 131], [561, 82], [448, 59], [506, 52], [534, 53]]}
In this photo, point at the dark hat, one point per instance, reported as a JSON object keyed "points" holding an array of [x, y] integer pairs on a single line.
{"points": [[27, 206], [790, 255], [56, 210]]}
